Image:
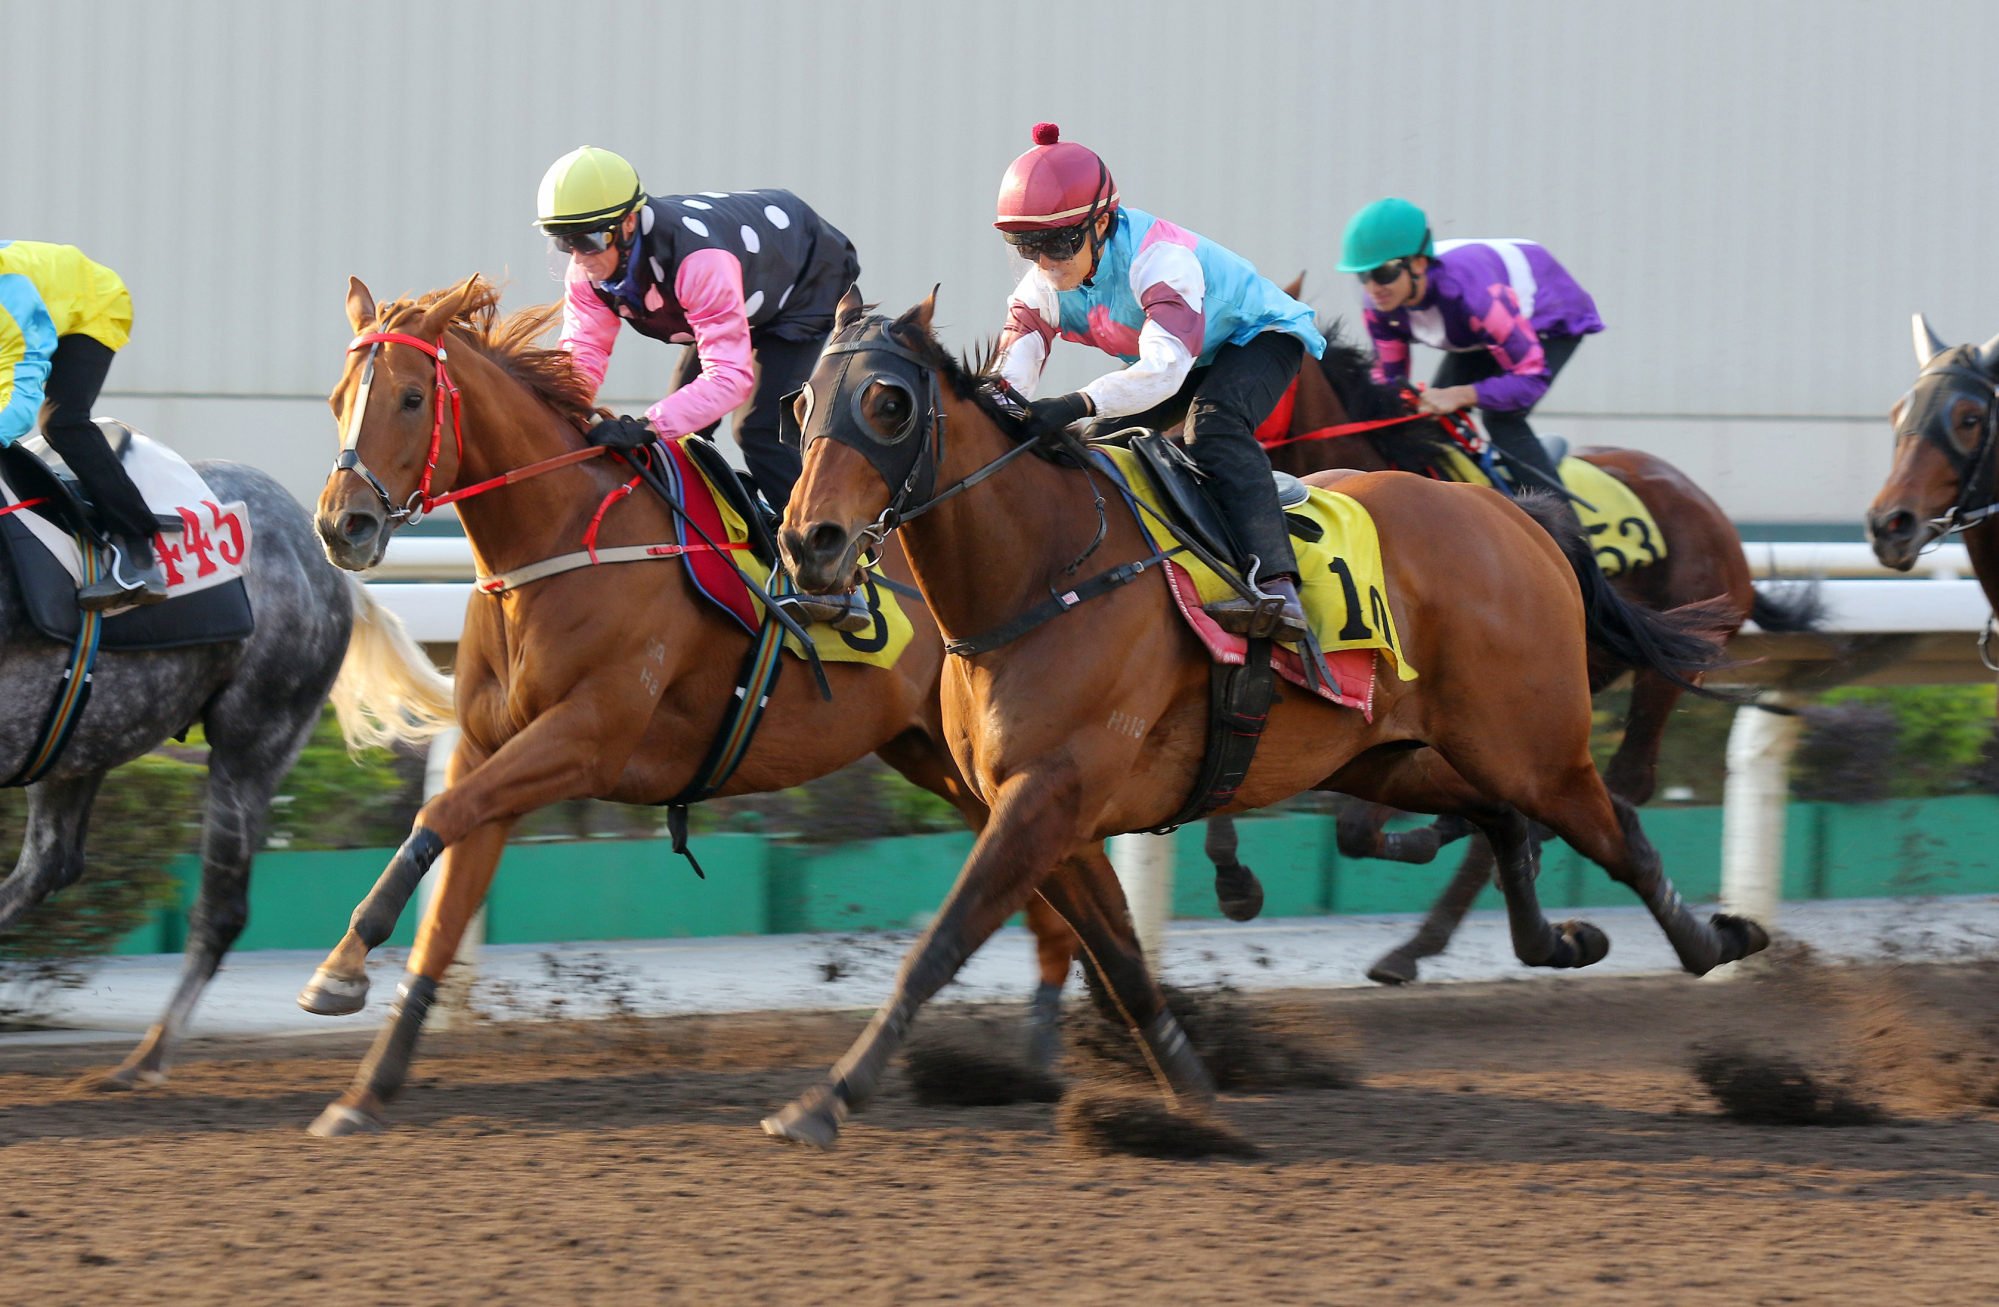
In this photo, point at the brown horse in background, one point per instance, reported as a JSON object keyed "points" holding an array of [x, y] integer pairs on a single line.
{"points": [[1945, 474], [1094, 723], [1703, 559], [598, 682]]}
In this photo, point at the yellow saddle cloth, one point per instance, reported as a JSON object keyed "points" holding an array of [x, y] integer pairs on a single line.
{"points": [[1621, 529], [1343, 585], [880, 645]]}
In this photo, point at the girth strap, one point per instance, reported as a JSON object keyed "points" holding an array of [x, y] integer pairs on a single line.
{"points": [[1239, 699], [72, 690], [1058, 603]]}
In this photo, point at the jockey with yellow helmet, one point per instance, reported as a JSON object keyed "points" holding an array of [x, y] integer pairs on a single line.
{"points": [[1200, 332], [62, 317], [748, 279]]}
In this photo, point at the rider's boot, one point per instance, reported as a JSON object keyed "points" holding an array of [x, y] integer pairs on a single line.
{"points": [[1276, 614], [843, 612], [132, 577]]}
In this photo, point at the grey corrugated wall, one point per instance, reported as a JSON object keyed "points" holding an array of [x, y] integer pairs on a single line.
{"points": [[1757, 193]]}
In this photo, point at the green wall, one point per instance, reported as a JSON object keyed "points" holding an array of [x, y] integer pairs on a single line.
{"points": [[638, 889]]}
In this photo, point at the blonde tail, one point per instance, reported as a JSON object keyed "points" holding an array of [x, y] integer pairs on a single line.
{"points": [[388, 690]]}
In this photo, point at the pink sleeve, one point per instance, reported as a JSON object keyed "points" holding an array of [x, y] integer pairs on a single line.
{"points": [[709, 286], [589, 328]]}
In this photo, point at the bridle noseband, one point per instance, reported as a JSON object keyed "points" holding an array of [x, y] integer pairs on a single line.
{"points": [[1976, 498], [421, 501]]}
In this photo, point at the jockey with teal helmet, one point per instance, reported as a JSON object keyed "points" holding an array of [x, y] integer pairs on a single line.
{"points": [[1202, 335], [748, 280], [1505, 312]]}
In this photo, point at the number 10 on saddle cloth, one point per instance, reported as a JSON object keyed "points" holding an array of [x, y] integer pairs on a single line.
{"points": [[1342, 584]]}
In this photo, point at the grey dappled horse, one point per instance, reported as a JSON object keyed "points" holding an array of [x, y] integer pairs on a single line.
{"points": [[257, 701]]}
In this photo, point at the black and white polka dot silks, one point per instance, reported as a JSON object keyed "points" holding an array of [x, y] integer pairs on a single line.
{"points": [[796, 265]]}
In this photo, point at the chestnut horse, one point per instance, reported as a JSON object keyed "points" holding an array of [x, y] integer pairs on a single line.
{"points": [[597, 682], [1702, 559], [1094, 723], [1943, 479]]}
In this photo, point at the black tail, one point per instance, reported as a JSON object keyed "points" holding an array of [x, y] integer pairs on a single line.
{"points": [[1786, 606], [1671, 644]]}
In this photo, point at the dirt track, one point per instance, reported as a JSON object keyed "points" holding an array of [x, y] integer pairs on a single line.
{"points": [[1525, 1142]]}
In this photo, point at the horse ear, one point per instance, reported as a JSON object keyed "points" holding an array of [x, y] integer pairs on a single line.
{"points": [[1928, 343], [1296, 286], [919, 316], [850, 310], [1988, 356], [360, 305]]}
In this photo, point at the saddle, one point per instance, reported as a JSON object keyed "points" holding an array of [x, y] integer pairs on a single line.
{"points": [[34, 540], [740, 493], [1181, 489]]}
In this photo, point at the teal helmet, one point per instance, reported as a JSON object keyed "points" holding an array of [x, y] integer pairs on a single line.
{"points": [[1383, 232]]}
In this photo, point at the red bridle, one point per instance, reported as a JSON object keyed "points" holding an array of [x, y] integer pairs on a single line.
{"points": [[421, 501]]}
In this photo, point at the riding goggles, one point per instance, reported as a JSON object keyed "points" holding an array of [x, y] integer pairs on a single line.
{"points": [[1054, 243], [583, 242], [1386, 274]]}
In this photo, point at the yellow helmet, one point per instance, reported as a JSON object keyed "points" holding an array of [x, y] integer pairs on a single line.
{"points": [[587, 190]]}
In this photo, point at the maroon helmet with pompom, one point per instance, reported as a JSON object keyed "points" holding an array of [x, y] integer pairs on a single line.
{"points": [[1056, 184]]}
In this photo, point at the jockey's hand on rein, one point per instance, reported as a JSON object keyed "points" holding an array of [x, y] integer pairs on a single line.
{"points": [[624, 432], [1047, 417]]}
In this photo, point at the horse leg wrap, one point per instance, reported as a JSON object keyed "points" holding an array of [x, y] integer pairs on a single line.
{"points": [[378, 913], [1044, 1026], [1185, 1075], [387, 1065]]}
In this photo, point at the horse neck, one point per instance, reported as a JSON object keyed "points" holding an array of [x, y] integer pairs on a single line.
{"points": [[984, 556], [1319, 406], [507, 427], [1981, 544]]}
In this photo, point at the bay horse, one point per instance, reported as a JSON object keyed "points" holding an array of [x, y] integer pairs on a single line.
{"points": [[601, 682], [1702, 558], [1944, 478], [257, 701], [1094, 723]]}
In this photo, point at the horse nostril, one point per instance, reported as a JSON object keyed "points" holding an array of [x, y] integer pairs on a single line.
{"points": [[1898, 525], [358, 528], [824, 542]]}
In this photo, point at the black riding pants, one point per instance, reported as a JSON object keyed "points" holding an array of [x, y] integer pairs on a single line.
{"points": [[1223, 403], [76, 375], [782, 366], [1509, 430]]}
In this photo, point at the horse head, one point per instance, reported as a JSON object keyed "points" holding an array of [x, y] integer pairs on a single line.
{"points": [[1942, 479], [869, 423]]}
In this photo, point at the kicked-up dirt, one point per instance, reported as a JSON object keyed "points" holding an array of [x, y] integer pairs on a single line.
{"points": [[1544, 1140]]}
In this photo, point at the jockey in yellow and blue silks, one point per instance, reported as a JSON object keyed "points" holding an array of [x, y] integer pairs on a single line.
{"points": [[62, 317]]}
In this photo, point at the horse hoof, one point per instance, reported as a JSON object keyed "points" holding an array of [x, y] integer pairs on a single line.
{"points": [[1590, 945], [1396, 968], [814, 1119], [328, 995], [122, 1080], [1238, 893], [1753, 938], [339, 1120]]}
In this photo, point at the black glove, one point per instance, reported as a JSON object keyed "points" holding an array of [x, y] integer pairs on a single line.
{"points": [[1047, 417], [625, 432]]}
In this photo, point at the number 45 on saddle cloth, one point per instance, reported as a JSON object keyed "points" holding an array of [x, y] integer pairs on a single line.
{"points": [[880, 645], [203, 559], [1343, 589]]}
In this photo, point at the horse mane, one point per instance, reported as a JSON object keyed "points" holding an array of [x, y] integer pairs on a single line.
{"points": [[472, 311], [1349, 370], [966, 376]]}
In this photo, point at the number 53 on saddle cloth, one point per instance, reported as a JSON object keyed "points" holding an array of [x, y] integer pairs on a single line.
{"points": [[1343, 588], [1621, 529], [880, 645]]}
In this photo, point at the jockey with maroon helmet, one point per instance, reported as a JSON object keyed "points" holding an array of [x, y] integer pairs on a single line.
{"points": [[1202, 334]]}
